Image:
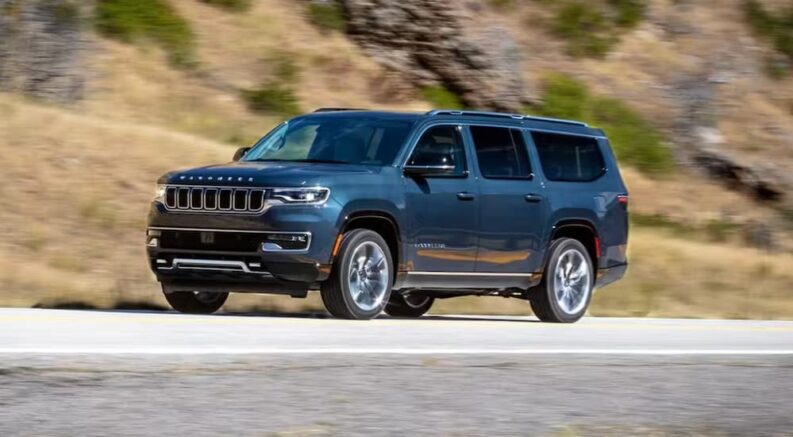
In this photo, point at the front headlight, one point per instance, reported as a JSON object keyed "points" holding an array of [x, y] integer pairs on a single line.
{"points": [[159, 193], [300, 196]]}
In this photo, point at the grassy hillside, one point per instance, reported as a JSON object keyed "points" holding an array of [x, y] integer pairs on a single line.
{"points": [[80, 177]]}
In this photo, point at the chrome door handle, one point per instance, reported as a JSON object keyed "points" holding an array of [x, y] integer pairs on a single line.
{"points": [[465, 196], [532, 198]]}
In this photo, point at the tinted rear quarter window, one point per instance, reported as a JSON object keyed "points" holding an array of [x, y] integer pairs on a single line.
{"points": [[569, 158], [501, 152]]}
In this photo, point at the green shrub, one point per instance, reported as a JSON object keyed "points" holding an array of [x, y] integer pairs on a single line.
{"points": [[502, 4], [441, 98], [592, 28], [713, 230], [564, 97], [585, 28], [635, 141], [328, 16], [153, 20], [272, 98], [232, 5], [284, 68], [276, 95], [629, 12], [777, 28], [65, 12]]}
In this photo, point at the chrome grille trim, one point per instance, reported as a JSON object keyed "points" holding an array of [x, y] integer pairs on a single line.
{"points": [[196, 199]]}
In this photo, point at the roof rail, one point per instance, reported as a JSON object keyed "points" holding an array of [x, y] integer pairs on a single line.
{"points": [[504, 115], [556, 120], [338, 109], [474, 113]]}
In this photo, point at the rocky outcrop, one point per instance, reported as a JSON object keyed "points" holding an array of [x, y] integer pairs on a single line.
{"points": [[431, 42], [41, 49], [701, 144]]}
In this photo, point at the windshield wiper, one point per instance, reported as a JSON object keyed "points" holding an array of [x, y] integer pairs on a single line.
{"points": [[322, 161], [268, 160]]}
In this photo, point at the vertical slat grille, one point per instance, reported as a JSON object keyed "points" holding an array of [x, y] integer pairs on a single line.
{"points": [[196, 198], [240, 200], [211, 199], [208, 199]]}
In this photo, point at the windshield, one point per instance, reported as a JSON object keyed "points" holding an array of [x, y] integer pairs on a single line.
{"points": [[345, 140]]}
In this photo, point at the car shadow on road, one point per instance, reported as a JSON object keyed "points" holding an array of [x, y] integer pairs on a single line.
{"points": [[426, 318], [156, 309]]}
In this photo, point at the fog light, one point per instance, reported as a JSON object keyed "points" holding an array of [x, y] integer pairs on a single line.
{"points": [[286, 241], [153, 242]]}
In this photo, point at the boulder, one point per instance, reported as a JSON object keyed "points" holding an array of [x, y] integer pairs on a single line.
{"points": [[430, 42]]}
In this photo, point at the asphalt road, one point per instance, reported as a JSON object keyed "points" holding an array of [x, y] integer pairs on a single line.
{"points": [[126, 373]]}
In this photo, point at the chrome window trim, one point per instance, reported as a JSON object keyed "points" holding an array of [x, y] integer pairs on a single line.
{"points": [[460, 124]]}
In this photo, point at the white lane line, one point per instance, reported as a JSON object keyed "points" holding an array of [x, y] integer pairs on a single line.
{"points": [[379, 351]]}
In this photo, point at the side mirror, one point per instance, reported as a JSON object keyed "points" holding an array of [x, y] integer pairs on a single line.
{"points": [[428, 170], [242, 151]]}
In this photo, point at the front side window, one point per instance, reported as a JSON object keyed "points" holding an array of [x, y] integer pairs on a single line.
{"points": [[501, 152], [569, 158], [344, 140], [440, 146]]}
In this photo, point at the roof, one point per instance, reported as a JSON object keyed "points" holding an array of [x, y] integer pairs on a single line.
{"points": [[537, 122]]}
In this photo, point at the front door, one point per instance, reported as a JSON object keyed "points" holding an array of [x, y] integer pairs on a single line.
{"points": [[442, 210], [513, 205]]}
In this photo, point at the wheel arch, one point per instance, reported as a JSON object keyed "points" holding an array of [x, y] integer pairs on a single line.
{"points": [[381, 222], [582, 230]]}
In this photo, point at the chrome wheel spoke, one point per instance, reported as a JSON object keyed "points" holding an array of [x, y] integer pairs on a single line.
{"points": [[368, 278], [572, 285]]}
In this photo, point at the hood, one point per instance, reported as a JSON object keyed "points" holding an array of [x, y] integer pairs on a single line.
{"points": [[291, 174]]}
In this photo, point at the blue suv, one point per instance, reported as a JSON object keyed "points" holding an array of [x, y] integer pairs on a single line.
{"points": [[384, 211]]}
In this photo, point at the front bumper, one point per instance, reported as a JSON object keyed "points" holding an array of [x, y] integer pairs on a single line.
{"points": [[201, 251]]}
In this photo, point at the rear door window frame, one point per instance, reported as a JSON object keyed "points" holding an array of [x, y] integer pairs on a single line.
{"points": [[520, 130]]}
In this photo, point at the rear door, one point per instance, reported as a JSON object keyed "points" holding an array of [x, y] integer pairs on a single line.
{"points": [[513, 208], [441, 210]]}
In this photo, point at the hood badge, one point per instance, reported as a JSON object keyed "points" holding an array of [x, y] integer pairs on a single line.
{"points": [[219, 178]]}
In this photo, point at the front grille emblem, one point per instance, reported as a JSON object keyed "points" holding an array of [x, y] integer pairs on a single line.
{"points": [[207, 237]]}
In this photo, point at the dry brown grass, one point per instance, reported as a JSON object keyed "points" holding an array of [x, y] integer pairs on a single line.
{"points": [[80, 186]]}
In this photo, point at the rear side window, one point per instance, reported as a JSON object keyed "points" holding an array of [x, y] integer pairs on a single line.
{"points": [[568, 157], [501, 152]]}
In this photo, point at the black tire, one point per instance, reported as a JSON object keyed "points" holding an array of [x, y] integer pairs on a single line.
{"points": [[335, 291], [413, 305], [190, 302], [543, 298]]}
